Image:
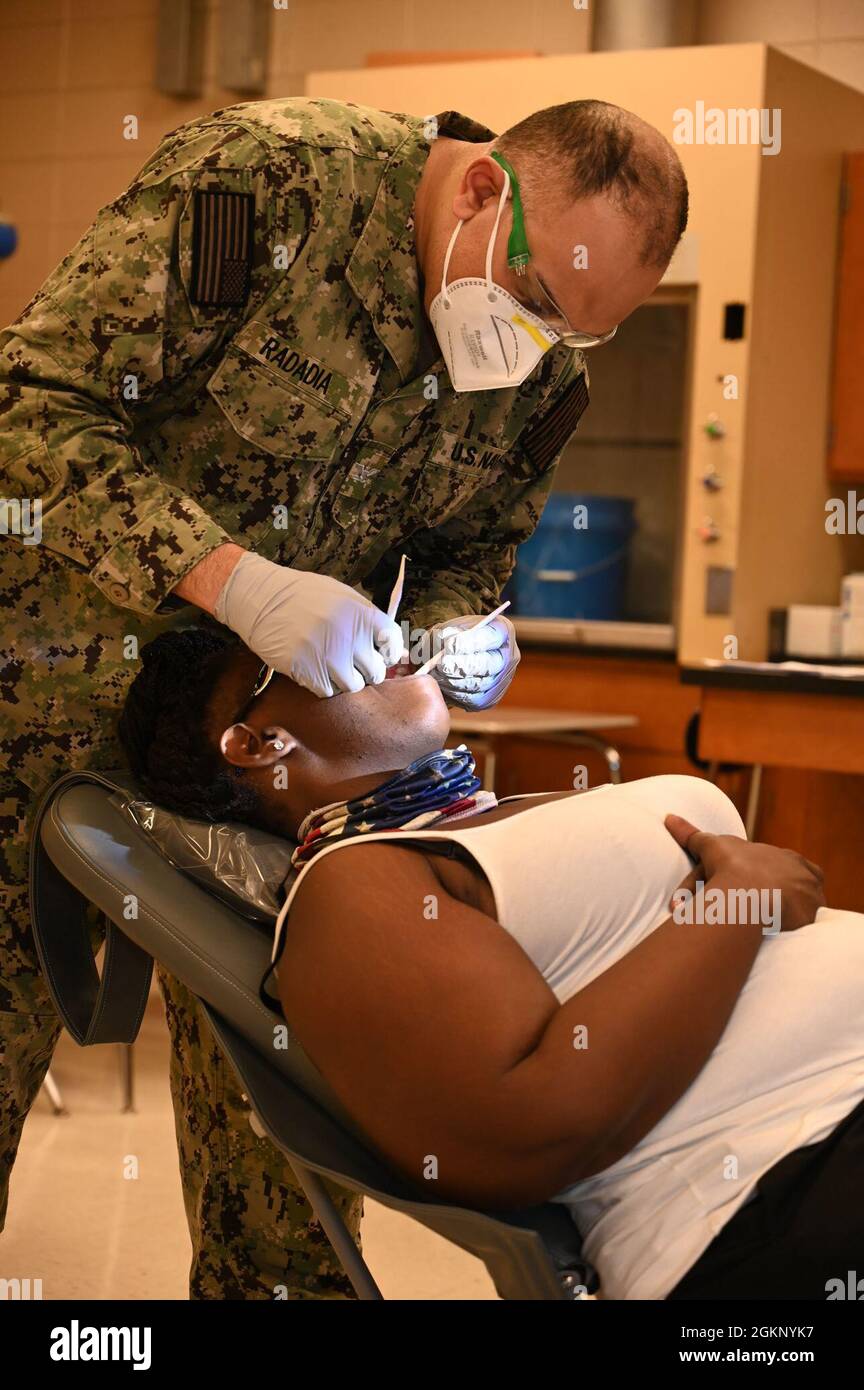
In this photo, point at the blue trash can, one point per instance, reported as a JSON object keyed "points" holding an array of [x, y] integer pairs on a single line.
{"points": [[567, 572]]}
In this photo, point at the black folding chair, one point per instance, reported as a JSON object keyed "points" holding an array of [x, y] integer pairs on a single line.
{"points": [[87, 850]]}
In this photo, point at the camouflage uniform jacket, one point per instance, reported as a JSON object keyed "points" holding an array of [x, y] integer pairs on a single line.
{"points": [[237, 350]]}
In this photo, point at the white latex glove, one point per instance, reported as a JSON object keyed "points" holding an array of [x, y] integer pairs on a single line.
{"points": [[479, 665], [324, 635]]}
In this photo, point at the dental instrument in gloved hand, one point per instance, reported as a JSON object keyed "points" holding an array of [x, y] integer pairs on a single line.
{"points": [[396, 595], [477, 659], [321, 633], [403, 666]]}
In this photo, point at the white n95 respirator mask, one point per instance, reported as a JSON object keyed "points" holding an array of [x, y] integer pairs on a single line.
{"points": [[489, 340]]}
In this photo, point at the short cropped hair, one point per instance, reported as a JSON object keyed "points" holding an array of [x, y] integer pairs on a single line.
{"points": [[591, 147]]}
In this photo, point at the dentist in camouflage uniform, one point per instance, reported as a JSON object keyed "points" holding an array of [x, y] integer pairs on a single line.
{"points": [[246, 391]]}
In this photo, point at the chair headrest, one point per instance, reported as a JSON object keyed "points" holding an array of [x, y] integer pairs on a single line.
{"points": [[247, 868]]}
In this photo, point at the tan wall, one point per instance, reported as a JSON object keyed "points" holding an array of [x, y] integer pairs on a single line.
{"points": [[827, 34], [70, 73], [70, 70], [340, 33]]}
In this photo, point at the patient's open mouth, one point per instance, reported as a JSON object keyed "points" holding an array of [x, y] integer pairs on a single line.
{"points": [[400, 669]]}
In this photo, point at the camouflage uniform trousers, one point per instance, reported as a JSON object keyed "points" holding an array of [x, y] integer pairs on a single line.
{"points": [[254, 1235]]}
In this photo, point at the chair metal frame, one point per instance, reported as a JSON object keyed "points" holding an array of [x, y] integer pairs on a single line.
{"points": [[86, 851]]}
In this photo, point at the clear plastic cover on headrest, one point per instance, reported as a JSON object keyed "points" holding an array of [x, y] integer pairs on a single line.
{"points": [[249, 869]]}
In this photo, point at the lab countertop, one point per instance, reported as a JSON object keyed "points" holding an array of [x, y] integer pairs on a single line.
{"points": [[793, 677]]}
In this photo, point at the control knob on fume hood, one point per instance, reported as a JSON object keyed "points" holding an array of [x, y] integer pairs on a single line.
{"points": [[714, 427], [709, 530], [711, 480]]}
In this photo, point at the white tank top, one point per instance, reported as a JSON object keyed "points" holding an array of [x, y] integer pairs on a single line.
{"points": [[579, 882]]}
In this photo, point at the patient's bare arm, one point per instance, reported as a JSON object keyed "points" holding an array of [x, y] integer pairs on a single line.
{"points": [[442, 1039]]}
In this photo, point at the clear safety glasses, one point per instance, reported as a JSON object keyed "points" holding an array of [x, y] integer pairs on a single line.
{"points": [[519, 260]]}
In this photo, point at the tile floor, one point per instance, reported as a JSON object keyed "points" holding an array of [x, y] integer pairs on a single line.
{"points": [[88, 1236]]}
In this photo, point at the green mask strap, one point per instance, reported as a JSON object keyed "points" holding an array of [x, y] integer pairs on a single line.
{"points": [[518, 254]]}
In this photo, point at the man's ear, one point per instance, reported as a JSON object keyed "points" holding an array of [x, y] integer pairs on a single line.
{"points": [[482, 180], [243, 746]]}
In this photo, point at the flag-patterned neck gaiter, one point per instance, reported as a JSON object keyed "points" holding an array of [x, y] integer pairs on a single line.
{"points": [[436, 787]]}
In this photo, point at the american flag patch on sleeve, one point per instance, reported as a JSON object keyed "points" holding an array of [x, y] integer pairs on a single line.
{"points": [[222, 248], [544, 442]]}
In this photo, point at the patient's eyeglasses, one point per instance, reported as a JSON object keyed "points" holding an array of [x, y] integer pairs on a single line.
{"points": [[262, 680], [540, 302]]}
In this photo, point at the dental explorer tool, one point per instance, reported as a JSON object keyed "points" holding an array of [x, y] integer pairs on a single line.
{"points": [[482, 622]]}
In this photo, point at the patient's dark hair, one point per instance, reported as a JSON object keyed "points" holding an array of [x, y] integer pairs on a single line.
{"points": [[162, 728]]}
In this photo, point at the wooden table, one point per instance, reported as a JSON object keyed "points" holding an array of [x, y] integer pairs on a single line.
{"points": [[564, 726], [795, 720]]}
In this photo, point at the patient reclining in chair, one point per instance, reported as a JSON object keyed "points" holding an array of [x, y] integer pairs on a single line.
{"points": [[511, 999]]}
